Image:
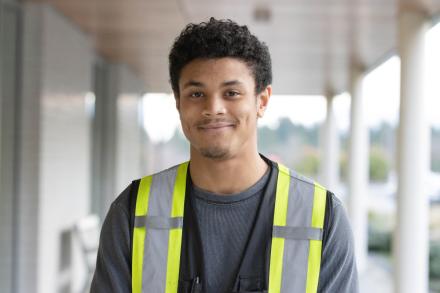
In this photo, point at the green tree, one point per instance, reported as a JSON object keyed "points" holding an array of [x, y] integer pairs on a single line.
{"points": [[308, 165], [379, 166]]}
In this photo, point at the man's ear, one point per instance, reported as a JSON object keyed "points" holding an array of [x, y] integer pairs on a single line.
{"points": [[263, 100]]}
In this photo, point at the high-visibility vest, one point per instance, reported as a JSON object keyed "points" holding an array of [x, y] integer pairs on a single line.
{"points": [[296, 244]]}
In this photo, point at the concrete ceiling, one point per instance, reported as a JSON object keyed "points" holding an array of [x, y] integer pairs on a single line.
{"points": [[311, 42]]}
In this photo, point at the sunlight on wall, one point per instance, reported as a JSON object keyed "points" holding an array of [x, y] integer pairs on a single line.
{"points": [[90, 100], [160, 116]]}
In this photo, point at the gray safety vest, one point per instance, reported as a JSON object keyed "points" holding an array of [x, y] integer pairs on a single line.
{"points": [[295, 256]]}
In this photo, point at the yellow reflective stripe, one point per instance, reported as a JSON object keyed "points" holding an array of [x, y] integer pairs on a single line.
{"points": [[139, 234], [281, 197], [314, 262], [280, 218], [175, 238], [318, 212], [179, 191], [143, 196]]}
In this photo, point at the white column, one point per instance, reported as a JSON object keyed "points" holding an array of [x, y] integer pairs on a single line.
{"points": [[330, 158], [411, 237], [358, 167]]}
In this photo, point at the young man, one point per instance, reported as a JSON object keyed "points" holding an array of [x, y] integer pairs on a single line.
{"points": [[230, 220]]}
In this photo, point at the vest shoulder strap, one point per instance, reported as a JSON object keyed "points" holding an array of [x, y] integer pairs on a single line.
{"points": [[300, 207], [157, 232]]}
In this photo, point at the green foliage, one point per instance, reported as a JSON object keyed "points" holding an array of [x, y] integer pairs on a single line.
{"points": [[379, 166], [434, 260], [309, 163], [383, 135], [343, 167], [286, 131], [379, 233], [267, 139], [435, 149], [382, 139], [435, 165], [379, 241]]}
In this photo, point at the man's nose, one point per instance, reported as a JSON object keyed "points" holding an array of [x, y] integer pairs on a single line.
{"points": [[214, 105]]}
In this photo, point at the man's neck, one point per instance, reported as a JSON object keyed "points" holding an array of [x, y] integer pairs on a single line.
{"points": [[227, 176]]}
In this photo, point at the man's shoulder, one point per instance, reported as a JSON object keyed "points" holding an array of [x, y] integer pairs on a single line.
{"points": [[124, 199], [304, 180], [300, 179], [336, 206]]}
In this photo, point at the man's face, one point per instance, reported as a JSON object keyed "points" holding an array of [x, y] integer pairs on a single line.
{"points": [[218, 107]]}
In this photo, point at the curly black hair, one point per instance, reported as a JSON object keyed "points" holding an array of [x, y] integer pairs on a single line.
{"points": [[217, 39]]}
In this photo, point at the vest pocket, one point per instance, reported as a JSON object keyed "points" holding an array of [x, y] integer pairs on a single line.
{"points": [[250, 284], [190, 286], [184, 286]]}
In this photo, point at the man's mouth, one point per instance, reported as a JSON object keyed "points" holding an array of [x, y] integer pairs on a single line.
{"points": [[215, 124]]}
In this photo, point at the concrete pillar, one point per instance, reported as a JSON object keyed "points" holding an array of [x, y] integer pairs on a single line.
{"points": [[411, 237], [104, 142], [117, 133], [330, 146], [10, 104], [130, 129], [358, 166]]}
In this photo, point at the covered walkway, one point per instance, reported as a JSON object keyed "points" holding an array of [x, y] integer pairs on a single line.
{"points": [[72, 74]]}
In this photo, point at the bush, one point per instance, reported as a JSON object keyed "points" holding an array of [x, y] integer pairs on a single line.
{"points": [[379, 241], [343, 165], [379, 166], [309, 163], [380, 227], [378, 169], [434, 260]]}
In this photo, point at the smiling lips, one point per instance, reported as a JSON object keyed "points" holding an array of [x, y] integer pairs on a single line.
{"points": [[215, 125]]}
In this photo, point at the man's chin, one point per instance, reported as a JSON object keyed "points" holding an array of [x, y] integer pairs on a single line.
{"points": [[215, 153]]}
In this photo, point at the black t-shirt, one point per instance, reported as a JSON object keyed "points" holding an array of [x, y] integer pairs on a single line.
{"points": [[225, 219]]}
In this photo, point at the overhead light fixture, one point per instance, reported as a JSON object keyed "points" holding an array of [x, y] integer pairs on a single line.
{"points": [[262, 13]]}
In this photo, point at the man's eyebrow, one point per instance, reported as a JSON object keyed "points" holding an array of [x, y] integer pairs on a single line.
{"points": [[231, 82], [193, 83], [201, 84]]}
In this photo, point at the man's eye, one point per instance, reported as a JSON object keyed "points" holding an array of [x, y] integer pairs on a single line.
{"points": [[197, 95], [232, 93]]}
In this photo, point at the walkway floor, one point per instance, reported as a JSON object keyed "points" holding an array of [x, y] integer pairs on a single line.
{"points": [[377, 276]]}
